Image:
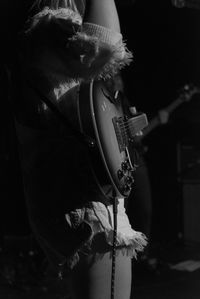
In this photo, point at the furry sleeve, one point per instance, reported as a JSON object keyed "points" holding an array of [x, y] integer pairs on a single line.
{"points": [[82, 51], [100, 50]]}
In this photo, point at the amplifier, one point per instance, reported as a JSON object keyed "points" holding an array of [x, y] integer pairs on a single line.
{"points": [[188, 163], [191, 212]]}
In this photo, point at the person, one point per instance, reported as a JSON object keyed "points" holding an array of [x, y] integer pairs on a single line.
{"points": [[64, 44]]}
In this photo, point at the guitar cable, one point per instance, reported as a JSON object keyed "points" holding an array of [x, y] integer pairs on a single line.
{"points": [[115, 202]]}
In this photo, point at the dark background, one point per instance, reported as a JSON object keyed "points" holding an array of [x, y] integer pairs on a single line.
{"points": [[165, 42]]}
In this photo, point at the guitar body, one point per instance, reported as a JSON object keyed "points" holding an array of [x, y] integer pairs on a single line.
{"points": [[101, 117]]}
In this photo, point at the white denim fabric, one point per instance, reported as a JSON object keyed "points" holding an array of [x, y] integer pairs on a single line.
{"points": [[101, 219]]}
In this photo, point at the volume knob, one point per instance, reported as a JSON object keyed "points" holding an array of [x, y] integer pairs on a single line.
{"points": [[129, 180], [124, 166], [120, 174]]}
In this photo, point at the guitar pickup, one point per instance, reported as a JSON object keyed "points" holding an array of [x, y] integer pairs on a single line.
{"points": [[127, 128]]}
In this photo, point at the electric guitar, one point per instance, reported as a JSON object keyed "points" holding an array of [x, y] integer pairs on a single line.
{"points": [[186, 3], [101, 116]]}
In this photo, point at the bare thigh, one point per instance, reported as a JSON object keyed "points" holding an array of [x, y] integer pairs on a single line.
{"points": [[92, 278]]}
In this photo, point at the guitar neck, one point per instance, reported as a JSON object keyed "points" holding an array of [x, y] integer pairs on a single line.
{"points": [[155, 122], [187, 3]]}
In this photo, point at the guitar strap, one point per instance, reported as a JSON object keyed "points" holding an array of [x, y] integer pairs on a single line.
{"points": [[114, 244]]}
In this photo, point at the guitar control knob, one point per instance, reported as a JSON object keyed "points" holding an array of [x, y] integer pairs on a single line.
{"points": [[127, 165], [129, 180], [126, 188], [124, 166], [120, 174]]}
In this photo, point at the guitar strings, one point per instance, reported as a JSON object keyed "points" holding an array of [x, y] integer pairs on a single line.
{"points": [[130, 122], [125, 134], [130, 131], [131, 127]]}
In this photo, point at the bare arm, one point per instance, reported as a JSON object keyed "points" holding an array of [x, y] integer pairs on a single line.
{"points": [[103, 13]]}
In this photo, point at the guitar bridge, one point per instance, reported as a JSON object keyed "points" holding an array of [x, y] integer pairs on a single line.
{"points": [[121, 133]]}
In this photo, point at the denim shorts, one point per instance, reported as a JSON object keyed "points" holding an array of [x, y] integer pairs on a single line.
{"points": [[92, 226]]}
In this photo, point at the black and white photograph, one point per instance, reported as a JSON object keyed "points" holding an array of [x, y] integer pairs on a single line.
{"points": [[100, 149]]}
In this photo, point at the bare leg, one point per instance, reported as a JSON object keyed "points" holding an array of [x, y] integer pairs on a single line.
{"points": [[92, 279]]}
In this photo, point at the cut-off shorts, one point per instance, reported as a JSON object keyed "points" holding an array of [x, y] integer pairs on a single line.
{"points": [[94, 223]]}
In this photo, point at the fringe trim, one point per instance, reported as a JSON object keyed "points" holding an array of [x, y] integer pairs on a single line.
{"points": [[84, 56], [115, 64], [130, 245], [47, 14], [97, 59]]}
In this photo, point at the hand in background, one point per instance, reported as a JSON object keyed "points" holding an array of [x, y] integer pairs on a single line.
{"points": [[163, 116]]}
